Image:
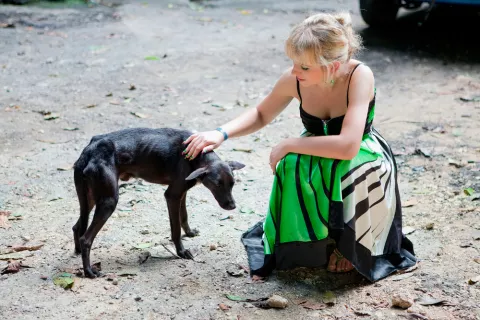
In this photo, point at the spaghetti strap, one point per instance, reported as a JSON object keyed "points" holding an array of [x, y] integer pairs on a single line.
{"points": [[350, 79], [298, 91]]}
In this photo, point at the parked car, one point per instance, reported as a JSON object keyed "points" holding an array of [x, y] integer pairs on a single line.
{"points": [[377, 13]]}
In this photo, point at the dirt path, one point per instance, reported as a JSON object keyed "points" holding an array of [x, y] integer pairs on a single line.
{"points": [[81, 64]]}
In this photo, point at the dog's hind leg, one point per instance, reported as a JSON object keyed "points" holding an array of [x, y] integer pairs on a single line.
{"points": [[106, 199], [184, 219], [86, 205]]}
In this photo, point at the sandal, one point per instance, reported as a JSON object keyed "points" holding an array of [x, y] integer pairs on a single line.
{"points": [[339, 257]]}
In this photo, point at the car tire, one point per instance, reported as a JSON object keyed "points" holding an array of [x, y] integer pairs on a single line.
{"points": [[379, 13]]}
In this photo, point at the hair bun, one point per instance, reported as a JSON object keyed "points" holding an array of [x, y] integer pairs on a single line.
{"points": [[343, 18]]}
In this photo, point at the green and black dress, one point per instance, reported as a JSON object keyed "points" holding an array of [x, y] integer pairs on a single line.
{"points": [[316, 200]]}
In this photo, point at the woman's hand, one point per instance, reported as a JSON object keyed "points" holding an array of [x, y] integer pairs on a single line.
{"points": [[202, 142], [278, 153]]}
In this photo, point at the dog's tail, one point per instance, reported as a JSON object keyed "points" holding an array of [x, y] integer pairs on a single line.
{"points": [[96, 154]]}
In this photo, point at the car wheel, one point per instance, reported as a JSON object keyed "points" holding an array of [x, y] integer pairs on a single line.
{"points": [[379, 13]]}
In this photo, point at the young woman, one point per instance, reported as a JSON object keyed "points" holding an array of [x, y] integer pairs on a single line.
{"points": [[337, 182]]}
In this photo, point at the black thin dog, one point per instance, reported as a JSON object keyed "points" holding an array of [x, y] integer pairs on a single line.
{"points": [[154, 155]]}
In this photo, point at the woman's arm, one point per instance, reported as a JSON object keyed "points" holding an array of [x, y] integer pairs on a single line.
{"points": [[250, 121], [345, 145]]}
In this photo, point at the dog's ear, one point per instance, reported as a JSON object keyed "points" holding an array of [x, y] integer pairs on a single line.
{"points": [[235, 165], [197, 173]]}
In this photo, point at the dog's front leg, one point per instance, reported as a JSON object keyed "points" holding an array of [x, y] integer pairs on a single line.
{"points": [[174, 199], [184, 219]]}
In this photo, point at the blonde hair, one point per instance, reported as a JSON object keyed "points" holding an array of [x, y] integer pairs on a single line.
{"points": [[322, 39]]}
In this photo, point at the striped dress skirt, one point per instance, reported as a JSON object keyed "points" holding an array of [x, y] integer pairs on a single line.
{"points": [[317, 203]]}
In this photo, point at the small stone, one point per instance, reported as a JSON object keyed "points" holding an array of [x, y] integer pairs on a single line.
{"points": [[115, 281], [276, 301], [213, 246], [402, 301], [430, 226], [145, 231], [138, 298], [43, 277], [26, 238]]}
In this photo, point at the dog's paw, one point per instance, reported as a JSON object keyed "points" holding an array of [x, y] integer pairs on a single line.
{"points": [[185, 254], [192, 233], [92, 273], [78, 251]]}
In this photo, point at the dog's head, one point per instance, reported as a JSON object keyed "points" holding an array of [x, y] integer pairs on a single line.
{"points": [[218, 178]]}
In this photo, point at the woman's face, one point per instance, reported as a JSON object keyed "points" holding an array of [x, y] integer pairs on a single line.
{"points": [[309, 75]]}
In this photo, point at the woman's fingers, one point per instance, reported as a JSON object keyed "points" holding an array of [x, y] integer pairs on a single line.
{"points": [[209, 148], [195, 141], [193, 136], [197, 150]]}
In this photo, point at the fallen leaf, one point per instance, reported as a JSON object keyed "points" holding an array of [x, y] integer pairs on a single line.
{"points": [[243, 150], [246, 12], [329, 298], [223, 307], [27, 248], [235, 298], [13, 267], [455, 163], [143, 245], [64, 280], [67, 168], [7, 25], [91, 106], [247, 210], [474, 280], [417, 316], [138, 115], [429, 301], [205, 19], [409, 203], [51, 116], [71, 129], [15, 256], [109, 94], [423, 152], [361, 313], [466, 245], [3, 219], [152, 58], [313, 305], [469, 191], [470, 99]]}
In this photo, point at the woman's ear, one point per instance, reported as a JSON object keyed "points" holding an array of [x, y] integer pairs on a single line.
{"points": [[336, 66]]}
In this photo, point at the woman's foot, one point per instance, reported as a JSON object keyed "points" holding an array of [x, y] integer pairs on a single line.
{"points": [[258, 279], [338, 263]]}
